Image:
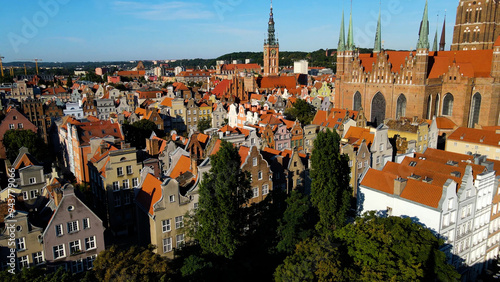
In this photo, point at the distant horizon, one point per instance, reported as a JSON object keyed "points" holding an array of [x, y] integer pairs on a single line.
{"points": [[110, 31]]}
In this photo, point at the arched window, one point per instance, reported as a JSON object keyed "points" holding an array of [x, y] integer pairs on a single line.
{"points": [[475, 109], [429, 107], [378, 109], [357, 101], [448, 105], [437, 105], [401, 106]]}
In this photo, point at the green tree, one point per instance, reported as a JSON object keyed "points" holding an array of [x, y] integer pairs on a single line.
{"points": [[395, 249], [330, 190], [195, 268], [204, 124], [69, 82], [315, 259], [302, 111], [14, 139], [132, 264], [221, 213], [297, 223], [137, 133]]}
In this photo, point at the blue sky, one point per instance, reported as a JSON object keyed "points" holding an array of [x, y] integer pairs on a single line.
{"points": [[106, 30]]}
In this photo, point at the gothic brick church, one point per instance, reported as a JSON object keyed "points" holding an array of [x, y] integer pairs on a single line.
{"points": [[463, 85]]}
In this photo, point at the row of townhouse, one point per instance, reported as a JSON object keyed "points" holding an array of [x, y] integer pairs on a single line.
{"points": [[48, 225], [454, 195]]}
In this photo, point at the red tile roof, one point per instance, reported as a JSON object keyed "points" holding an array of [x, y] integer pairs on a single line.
{"points": [[221, 88], [182, 166], [150, 193], [271, 82], [445, 123], [472, 63], [241, 67], [478, 136]]}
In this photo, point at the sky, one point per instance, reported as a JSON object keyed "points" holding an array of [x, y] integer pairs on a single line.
{"points": [[118, 30]]}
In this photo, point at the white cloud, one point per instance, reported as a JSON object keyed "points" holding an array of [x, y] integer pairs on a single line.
{"points": [[174, 10]]}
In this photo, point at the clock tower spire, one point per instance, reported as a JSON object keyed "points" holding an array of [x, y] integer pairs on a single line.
{"points": [[271, 48]]}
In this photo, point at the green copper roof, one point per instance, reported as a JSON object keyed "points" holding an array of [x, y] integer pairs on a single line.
{"points": [[378, 37], [341, 47], [435, 44], [423, 41], [350, 36]]}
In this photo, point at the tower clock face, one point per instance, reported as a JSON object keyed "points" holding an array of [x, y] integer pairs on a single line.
{"points": [[273, 52]]}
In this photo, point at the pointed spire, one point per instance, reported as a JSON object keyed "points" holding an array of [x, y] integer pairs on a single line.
{"points": [[350, 34], [341, 47], [271, 38], [378, 36], [435, 44], [442, 43], [423, 41]]}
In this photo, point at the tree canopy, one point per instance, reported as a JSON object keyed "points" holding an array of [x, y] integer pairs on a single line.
{"points": [[137, 133], [330, 190], [371, 249], [302, 111], [132, 264], [223, 193], [204, 124], [13, 140]]}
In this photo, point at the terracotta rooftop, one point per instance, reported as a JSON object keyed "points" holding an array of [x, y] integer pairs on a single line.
{"points": [[182, 166], [270, 82], [477, 136], [445, 123], [150, 193]]}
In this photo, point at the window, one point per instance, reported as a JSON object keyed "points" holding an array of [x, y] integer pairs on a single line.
{"points": [[180, 241], [127, 198], [165, 225], [260, 175], [350, 163], [23, 261], [59, 230], [118, 199], [129, 169], [167, 245], [34, 193], [75, 247], [90, 261], [59, 251], [255, 161], [12, 126], [135, 182], [20, 125], [119, 171], [77, 266], [20, 244], [360, 165], [125, 184], [86, 223], [255, 192], [116, 186], [38, 258], [73, 226], [172, 198], [179, 222], [450, 204], [89, 243], [32, 180], [265, 189], [25, 195]]}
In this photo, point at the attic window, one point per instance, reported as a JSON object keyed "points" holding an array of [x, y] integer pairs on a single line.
{"points": [[413, 163], [114, 130], [71, 208], [102, 131]]}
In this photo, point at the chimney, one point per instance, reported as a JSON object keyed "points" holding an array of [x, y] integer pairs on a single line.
{"points": [[102, 147], [194, 165], [57, 194], [399, 185]]}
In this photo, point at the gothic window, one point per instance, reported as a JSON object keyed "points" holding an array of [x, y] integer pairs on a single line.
{"points": [[401, 106], [357, 101], [429, 107], [437, 105], [448, 105], [378, 109], [475, 110]]}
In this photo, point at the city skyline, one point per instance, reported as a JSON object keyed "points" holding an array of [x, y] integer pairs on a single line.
{"points": [[67, 30]]}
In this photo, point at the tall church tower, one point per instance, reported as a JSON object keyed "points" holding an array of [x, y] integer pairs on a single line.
{"points": [[271, 49], [477, 25]]}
